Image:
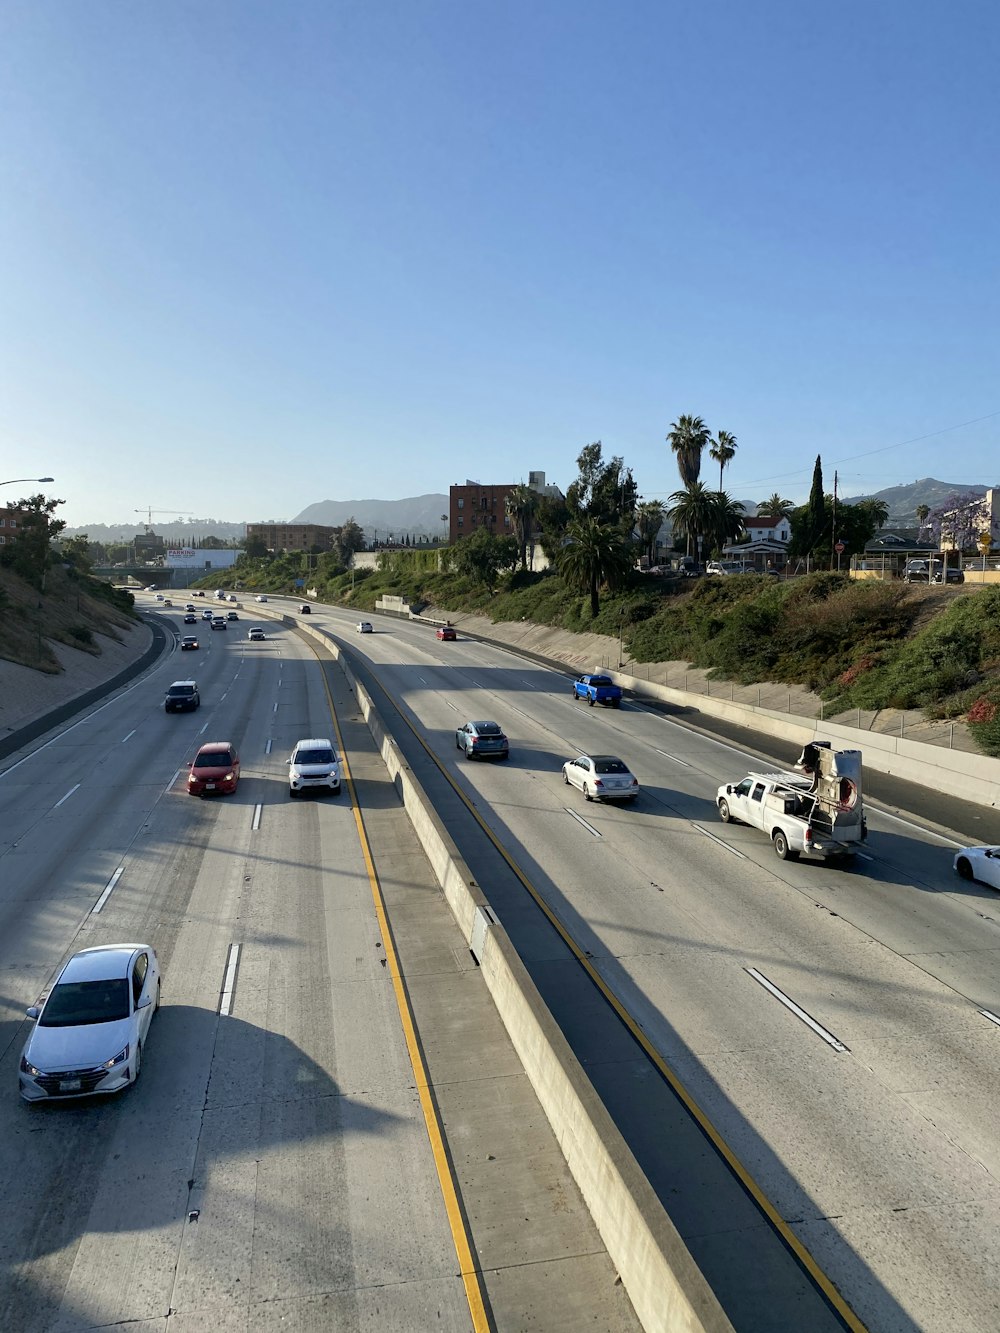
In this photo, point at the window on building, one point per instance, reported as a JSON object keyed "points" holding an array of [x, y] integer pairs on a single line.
{"points": [[461, 504], [461, 520]]}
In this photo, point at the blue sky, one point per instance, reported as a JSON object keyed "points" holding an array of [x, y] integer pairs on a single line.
{"points": [[254, 255]]}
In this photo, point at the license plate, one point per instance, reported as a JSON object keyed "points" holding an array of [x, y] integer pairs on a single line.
{"points": [[69, 1085], [210, 786]]}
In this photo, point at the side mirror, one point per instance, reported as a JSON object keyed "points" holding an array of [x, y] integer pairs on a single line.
{"points": [[288, 761], [191, 764], [33, 1011]]}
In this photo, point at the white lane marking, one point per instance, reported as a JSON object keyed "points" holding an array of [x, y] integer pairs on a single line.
{"points": [[518, 711], [107, 892], [863, 856], [172, 780], [275, 708], [683, 762], [257, 811], [797, 1010], [949, 842], [991, 1016], [267, 748], [67, 796], [580, 820], [203, 730], [421, 679], [453, 707], [529, 684], [229, 985], [220, 701], [721, 842], [129, 736]]}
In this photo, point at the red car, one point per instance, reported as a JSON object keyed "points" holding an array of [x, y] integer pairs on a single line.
{"points": [[447, 632], [216, 767]]}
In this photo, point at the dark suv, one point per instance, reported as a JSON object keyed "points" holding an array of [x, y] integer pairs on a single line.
{"points": [[182, 697]]}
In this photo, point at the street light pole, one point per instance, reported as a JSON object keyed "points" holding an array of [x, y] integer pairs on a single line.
{"points": [[14, 480]]}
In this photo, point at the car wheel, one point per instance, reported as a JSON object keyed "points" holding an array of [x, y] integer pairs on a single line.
{"points": [[616, 703], [292, 793], [505, 756], [137, 1067], [586, 793], [565, 777], [782, 849], [964, 869], [590, 701], [469, 754], [724, 813]]}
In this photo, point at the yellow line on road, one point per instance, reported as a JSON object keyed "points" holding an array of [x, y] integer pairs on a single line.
{"points": [[471, 1276]]}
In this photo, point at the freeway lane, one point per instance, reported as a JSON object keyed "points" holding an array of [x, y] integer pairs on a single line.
{"points": [[272, 1164], [882, 1156]]}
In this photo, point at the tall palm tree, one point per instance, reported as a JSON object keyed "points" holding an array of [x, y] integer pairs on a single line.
{"points": [[595, 554], [649, 518], [688, 437], [877, 510], [522, 505], [692, 511], [922, 513], [775, 506], [723, 450]]}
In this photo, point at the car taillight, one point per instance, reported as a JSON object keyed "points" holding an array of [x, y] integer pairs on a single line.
{"points": [[598, 783], [808, 835]]}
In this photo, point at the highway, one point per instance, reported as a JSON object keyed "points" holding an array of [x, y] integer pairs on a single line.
{"points": [[871, 1129], [279, 1163]]}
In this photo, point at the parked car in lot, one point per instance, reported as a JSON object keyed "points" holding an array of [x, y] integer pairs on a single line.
{"points": [[256, 635], [216, 767], [931, 571], [313, 765], [365, 627], [182, 696], [447, 632], [979, 863], [479, 739], [91, 1029], [601, 777], [188, 642]]}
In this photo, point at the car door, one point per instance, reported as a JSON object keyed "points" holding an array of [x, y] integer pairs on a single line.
{"points": [[989, 868], [576, 773], [738, 798], [140, 975], [463, 737], [754, 806]]}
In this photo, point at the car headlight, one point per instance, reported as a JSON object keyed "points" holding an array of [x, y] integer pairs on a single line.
{"points": [[229, 777], [119, 1059], [27, 1068], [296, 774]]}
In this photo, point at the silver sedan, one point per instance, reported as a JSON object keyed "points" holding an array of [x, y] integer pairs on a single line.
{"points": [[90, 1031], [601, 777]]}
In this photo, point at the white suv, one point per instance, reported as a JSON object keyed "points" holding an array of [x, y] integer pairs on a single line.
{"points": [[313, 764]]}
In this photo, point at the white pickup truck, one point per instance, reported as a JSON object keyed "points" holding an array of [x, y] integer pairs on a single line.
{"points": [[816, 811]]}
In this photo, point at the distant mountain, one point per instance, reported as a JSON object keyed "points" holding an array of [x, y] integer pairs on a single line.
{"points": [[421, 514], [903, 500]]}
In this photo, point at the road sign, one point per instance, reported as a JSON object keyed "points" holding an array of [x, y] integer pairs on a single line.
{"points": [[840, 548]]}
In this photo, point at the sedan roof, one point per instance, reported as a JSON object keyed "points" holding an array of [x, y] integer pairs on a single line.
{"points": [[103, 963]]}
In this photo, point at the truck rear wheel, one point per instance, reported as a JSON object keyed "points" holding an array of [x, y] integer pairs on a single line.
{"points": [[781, 847]]}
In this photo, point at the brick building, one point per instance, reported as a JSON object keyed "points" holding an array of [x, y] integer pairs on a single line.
{"points": [[475, 506], [293, 536], [10, 522]]}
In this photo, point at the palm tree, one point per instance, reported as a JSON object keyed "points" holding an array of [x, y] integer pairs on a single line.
{"points": [[922, 513], [726, 519], [522, 504], [649, 518], [692, 511], [595, 554], [688, 437], [723, 449], [877, 511], [775, 506]]}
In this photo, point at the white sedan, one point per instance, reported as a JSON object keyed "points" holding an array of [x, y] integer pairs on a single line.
{"points": [[90, 1031], [982, 863], [601, 777]]}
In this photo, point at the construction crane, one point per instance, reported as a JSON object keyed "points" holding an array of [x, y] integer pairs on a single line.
{"points": [[149, 512]]}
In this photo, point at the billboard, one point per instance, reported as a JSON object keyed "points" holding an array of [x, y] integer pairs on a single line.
{"points": [[186, 557]]}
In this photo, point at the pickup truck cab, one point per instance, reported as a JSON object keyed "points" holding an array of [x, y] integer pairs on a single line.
{"points": [[598, 689]]}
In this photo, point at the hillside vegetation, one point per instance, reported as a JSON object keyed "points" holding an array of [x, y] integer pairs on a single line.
{"points": [[71, 609]]}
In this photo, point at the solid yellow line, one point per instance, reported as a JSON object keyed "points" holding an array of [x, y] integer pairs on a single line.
{"points": [[463, 1249], [787, 1235]]}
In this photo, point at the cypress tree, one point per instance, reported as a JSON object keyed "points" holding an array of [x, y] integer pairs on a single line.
{"points": [[817, 509]]}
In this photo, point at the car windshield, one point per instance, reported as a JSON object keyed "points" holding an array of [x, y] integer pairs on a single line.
{"points": [[487, 728], [73, 1003], [213, 759], [181, 691], [314, 756], [600, 680], [609, 766]]}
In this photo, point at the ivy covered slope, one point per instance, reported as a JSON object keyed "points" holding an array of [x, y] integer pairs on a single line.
{"points": [[69, 607], [858, 644]]}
